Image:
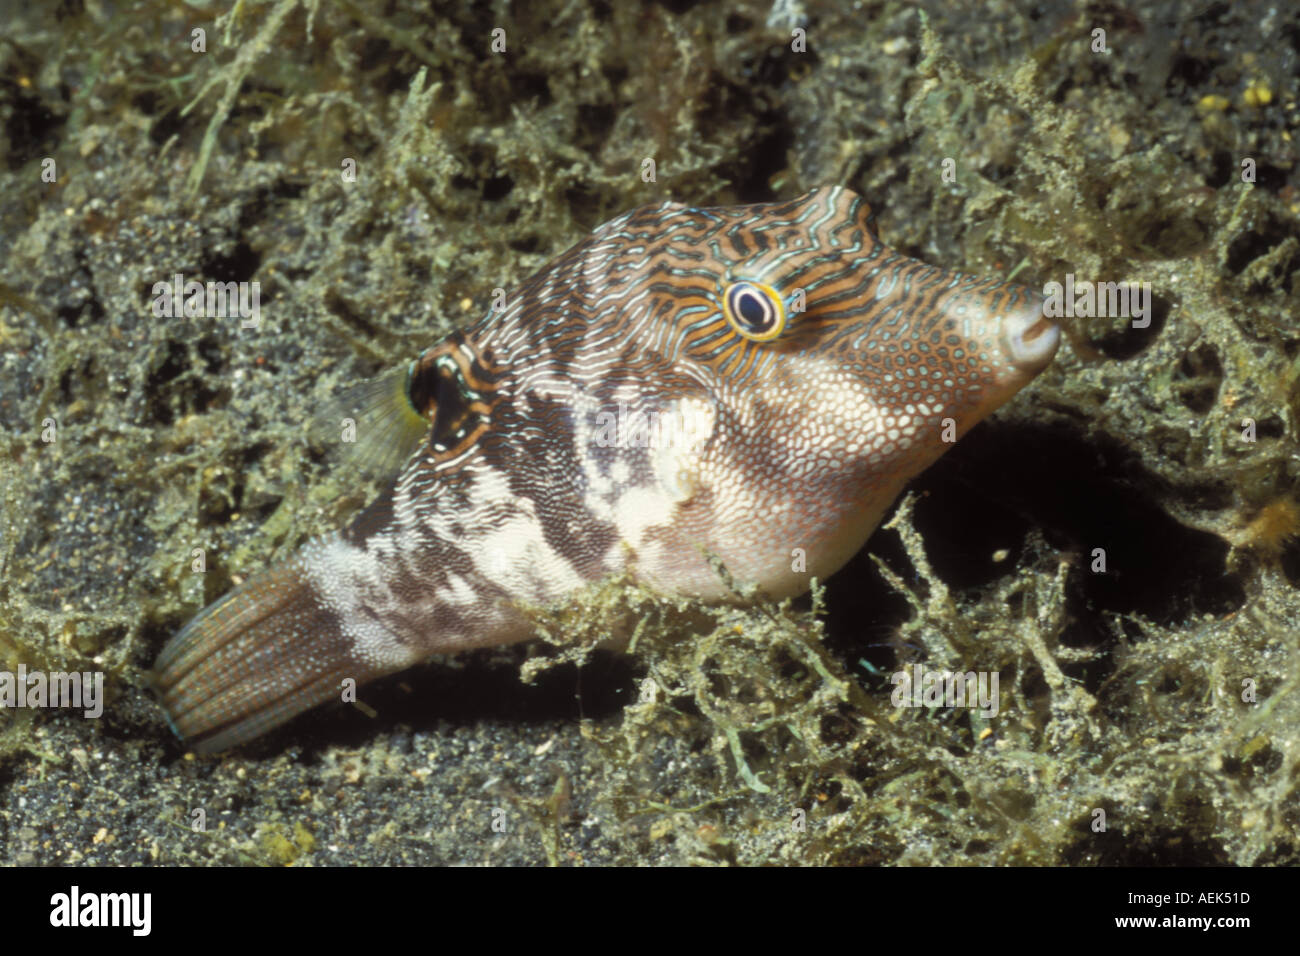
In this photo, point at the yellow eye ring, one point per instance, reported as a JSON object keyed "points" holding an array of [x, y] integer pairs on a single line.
{"points": [[754, 310]]}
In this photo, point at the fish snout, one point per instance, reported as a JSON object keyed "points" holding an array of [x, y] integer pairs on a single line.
{"points": [[1029, 338]]}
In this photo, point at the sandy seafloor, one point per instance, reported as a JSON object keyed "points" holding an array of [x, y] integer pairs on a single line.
{"points": [[1122, 691]]}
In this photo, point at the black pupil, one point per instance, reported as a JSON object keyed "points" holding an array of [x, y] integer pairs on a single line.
{"points": [[752, 309]]}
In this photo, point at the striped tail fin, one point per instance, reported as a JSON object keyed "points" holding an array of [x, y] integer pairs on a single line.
{"points": [[257, 657]]}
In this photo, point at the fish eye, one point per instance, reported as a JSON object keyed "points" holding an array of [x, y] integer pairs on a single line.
{"points": [[754, 310]]}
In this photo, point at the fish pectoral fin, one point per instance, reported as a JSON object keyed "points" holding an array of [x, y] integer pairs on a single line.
{"points": [[374, 423]]}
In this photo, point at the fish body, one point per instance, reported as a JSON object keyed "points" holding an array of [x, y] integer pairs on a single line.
{"points": [[752, 382]]}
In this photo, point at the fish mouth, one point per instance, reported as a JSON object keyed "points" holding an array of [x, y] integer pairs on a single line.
{"points": [[1029, 337]]}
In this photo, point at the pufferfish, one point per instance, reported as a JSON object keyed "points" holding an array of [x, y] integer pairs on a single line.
{"points": [[756, 383]]}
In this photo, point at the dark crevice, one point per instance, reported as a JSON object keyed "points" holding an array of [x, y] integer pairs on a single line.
{"points": [[1128, 341], [477, 686], [975, 512]]}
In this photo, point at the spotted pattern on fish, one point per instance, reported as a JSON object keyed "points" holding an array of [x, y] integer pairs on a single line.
{"points": [[737, 381]]}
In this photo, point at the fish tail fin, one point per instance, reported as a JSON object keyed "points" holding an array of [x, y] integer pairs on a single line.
{"points": [[252, 660]]}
